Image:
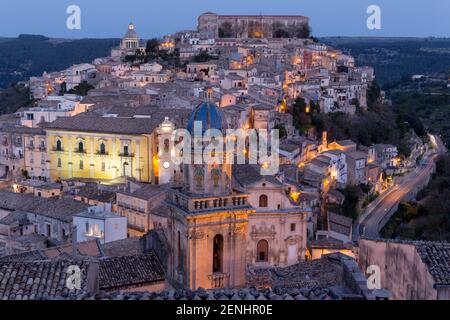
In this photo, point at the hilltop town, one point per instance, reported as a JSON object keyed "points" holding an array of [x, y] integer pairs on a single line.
{"points": [[87, 176]]}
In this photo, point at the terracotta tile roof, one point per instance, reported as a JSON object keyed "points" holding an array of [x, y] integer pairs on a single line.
{"points": [[15, 217], [132, 126], [24, 130], [436, 255], [144, 192], [60, 209], [356, 155], [39, 280], [124, 247], [339, 223], [35, 255], [246, 175], [96, 194], [132, 270], [90, 248]]}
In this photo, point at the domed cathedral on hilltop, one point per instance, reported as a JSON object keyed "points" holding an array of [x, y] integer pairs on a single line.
{"points": [[129, 43], [131, 39], [224, 218]]}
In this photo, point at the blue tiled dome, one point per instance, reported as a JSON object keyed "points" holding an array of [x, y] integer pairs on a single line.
{"points": [[210, 115]]}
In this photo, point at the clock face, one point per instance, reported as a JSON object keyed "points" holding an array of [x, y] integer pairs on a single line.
{"points": [[166, 165]]}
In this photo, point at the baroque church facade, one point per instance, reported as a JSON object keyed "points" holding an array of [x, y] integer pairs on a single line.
{"points": [[224, 218]]}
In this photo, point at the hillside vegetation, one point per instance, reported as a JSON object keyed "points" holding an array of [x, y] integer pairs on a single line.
{"points": [[27, 55], [395, 59], [427, 219], [13, 98]]}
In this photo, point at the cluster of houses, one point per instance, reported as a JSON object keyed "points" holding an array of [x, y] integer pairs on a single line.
{"points": [[96, 169]]}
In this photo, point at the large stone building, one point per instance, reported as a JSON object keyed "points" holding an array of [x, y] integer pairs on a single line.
{"points": [[107, 148], [212, 25], [221, 220]]}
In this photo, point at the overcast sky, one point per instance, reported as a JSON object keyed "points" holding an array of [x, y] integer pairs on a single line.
{"points": [[109, 18]]}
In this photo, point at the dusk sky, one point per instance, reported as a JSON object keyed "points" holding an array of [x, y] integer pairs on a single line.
{"points": [[109, 18]]}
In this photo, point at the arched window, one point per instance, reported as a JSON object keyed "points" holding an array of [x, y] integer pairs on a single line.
{"points": [[102, 148], [218, 253], [80, 147], [58, 145], [262, 251], [166, 146], [263, 201], [216, 177]]}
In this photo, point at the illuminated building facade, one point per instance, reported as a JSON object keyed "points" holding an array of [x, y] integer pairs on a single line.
{"points": [[216, 225], [107, 148], [208, 220], [212, 25]]}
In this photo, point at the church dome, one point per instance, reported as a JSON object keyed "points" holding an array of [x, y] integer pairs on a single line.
{"points": [[131, 33], [210, 115]]}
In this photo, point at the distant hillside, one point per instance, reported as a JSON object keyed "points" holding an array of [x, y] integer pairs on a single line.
{"points": [[396, 58], [13, 98], [392, 58], [31, 55]]}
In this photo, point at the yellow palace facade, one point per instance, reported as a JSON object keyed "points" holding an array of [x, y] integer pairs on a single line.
{"points": [[103, 148]]}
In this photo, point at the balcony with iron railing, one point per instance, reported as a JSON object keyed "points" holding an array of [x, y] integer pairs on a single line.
{"points": [[126, 155], [80, 151], [55, 149]]}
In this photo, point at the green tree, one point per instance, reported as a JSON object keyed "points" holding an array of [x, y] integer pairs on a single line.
{"points": [[82, 89], [130, 58], [63, 88], [373, 94], [314, 106], [350, 207], [152, 46], [202, 57], [300, 118], [282, 129]]}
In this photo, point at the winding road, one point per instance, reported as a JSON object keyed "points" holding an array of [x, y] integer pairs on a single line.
{"points": [[377, 213]]}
